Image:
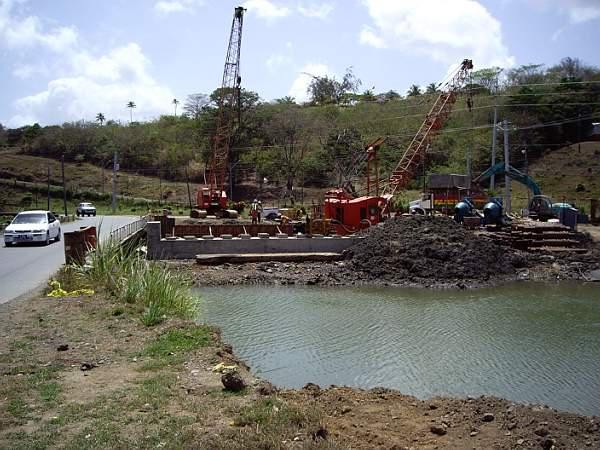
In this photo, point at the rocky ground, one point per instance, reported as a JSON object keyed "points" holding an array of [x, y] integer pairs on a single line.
{"points": [[83, 372], [414, 251]]}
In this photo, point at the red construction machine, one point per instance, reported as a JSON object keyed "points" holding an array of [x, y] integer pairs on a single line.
{"points": [[212, 197], [348, 213]]}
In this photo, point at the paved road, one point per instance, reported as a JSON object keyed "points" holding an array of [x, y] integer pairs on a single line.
{"points": [[24, 268]]}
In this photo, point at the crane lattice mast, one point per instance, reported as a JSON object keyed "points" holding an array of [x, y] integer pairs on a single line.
{"points": [[228, 103], [434, 121]]}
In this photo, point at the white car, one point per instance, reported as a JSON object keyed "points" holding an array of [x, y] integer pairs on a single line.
{"points": [[85, 209], [32, 226]]}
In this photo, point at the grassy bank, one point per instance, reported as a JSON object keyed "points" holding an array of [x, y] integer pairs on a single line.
{"points": [[122, 368]]}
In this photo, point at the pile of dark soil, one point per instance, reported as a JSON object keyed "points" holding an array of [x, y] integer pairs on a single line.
{"points": [[434, 249]]}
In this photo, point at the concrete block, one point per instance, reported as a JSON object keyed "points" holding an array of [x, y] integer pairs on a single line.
{"points": [[208, 237], [227, 236], [281, 236], [317, 236], [263, 235], [245, 236], [189, 238], [171, 238]]}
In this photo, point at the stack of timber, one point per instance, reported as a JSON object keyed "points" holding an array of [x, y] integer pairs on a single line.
{"points": [[545, 237]]}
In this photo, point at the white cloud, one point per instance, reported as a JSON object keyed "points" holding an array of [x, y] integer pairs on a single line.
{"points": [[171, 6], [316, 10], [266, 9], [578, 11], [26, 71], [29, 31], [299, 87], [103, 84], [278, 60], [81, 83], [445, 31], [581, 10]]}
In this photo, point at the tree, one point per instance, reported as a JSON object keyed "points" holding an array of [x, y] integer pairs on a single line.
{"points": [[131, 105], [368, 95], [526, 74], [488, 78], [344, 154], [431, 88], [392, 95], [324, 90], [414, 91], [289, 132], [287, 100], [100, 118], [175, 103], [195, 104]]}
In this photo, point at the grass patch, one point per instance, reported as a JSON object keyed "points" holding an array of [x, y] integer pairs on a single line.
{"points": [[156, 291], [169, 349], [264, 423], [18, 408], [156, 391], [21, 346], [178, 340], [49, 392]]}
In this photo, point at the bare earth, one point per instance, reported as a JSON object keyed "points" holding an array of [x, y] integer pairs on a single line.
{"points": [[133, 398]]}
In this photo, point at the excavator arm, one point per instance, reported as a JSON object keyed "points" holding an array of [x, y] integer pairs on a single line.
{"points": [[514, 174]]}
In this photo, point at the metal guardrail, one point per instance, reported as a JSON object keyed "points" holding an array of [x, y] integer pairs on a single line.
{"points": [[122, 233]]}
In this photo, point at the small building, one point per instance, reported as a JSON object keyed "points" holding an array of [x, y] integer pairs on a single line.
{"points": [[449, 189]]}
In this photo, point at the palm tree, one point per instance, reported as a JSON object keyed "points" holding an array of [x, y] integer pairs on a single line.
{"points": [[131, 105], [431, 88], [100, 118], [175, 103], [414, 90]]}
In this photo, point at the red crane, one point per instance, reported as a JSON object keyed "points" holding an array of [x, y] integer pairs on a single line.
{"points": [[213, 196], [350, 214], [434, 121]]}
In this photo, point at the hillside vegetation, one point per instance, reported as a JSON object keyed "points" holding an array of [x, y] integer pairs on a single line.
{"points": [[314, 145]]}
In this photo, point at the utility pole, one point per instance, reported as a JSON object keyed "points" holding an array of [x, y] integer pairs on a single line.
{"points": [[62, 168], [579, 133], [506, 168], [114, 183], [48, 209], [160, 187], [494, 139], [187, 179]]}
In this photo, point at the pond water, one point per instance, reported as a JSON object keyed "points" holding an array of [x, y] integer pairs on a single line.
{"points": [[528, 342]]}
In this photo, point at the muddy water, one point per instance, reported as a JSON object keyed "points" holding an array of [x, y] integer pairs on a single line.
{"points": [[534, 343]]}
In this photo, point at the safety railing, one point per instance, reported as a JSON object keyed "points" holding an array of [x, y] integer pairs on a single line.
{"points": [[122, 233]]}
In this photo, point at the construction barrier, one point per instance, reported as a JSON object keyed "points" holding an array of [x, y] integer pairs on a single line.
{"points": [[78, 243]]}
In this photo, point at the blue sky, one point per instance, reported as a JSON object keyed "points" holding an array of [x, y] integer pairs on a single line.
{"points": [[67, 60]]}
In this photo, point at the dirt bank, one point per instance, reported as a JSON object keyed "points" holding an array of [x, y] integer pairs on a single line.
{"points": [[414, 251], [84, 373]]}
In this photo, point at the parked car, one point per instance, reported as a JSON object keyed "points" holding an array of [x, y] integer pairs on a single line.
{"points": [[85, 209], [32, 226]]}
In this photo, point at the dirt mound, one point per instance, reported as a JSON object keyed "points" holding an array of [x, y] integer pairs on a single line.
{"points": [[418, 248]]}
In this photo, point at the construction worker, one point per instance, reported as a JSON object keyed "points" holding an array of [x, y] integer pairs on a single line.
{"points": [[259, 210], [254, 212]]}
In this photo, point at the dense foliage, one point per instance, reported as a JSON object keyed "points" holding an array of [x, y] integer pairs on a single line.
{"points": [[316, 143]]}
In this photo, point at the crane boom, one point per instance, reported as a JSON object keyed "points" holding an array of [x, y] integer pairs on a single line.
{"points": [[434, 121], [228, 103]]}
